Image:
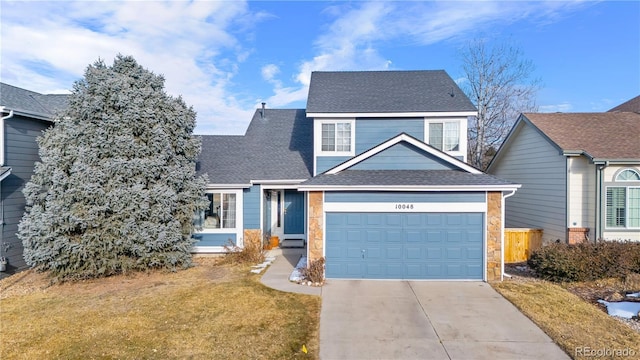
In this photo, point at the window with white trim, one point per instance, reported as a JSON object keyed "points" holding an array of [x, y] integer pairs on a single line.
{"points": [[221, 212], [623, 202], [445, 136], [336, 137]]}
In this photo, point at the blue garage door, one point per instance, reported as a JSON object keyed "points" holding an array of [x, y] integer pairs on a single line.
{"points": [[404, 245]]}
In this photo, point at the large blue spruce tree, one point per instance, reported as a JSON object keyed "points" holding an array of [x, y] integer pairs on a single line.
{"points": [[115, 190]]}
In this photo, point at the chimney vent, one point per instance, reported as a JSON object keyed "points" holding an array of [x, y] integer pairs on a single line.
{"points": [[262, 112]]}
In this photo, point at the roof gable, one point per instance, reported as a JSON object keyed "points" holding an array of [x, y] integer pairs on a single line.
{"points": [[385, 92], [403, 156], [376, 157], [605, 136]]}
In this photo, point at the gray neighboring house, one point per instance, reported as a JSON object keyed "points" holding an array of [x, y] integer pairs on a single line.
{"points": [[25, 114], [371, 176], [580, 174]]}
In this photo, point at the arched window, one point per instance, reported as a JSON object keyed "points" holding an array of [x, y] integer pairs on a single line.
{"points": [[628, 175], [623, 202]]}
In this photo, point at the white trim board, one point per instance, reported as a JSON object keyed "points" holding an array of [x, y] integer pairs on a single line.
{"points": [[393, 114], [406, 207]]}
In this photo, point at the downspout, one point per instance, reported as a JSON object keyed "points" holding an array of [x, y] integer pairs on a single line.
{"points": [[502, 210], [599, 181], [2, 119]]}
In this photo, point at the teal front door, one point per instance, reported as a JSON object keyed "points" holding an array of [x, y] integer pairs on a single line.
{"points": [[293, 212]]}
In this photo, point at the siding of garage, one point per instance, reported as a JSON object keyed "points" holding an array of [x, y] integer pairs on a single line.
{"points": [[420, 242]]}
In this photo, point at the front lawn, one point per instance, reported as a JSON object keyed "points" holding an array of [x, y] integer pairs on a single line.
{"points": [[578, 326], [208, 311]]}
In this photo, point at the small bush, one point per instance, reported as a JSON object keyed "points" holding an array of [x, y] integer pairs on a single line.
{"points": [[252, 252], [315, 271], [586, 261]]}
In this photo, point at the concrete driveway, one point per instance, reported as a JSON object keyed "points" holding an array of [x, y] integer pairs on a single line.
{"points": [[426, 320]]}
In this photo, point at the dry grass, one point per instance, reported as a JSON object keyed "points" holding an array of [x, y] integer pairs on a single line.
{"points": [[570, 321], [208, 311]]}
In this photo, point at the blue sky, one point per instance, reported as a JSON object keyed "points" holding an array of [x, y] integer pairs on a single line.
{"points": [[226, 57]]}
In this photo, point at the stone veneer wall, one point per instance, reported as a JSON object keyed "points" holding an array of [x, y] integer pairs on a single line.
{"points": [[252, 236], [494, 236], [316, 224]]}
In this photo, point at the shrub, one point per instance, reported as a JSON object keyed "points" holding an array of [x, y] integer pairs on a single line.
{"points": [[586, 261], [315, 271], [252, 252]]}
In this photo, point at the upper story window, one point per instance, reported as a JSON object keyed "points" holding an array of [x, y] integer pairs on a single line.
{"points": [[336, 137], [444, 136], [623, 202]]}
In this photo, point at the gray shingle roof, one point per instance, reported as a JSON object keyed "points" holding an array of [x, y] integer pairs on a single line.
{"points": [[18, 99], [610, 135], [385, 92], [278, 147], [405, 178]]}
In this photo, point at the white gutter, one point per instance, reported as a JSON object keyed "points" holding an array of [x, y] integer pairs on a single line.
{"points": [[502, 274], [2, 119], [227, 186], [512, 188]]}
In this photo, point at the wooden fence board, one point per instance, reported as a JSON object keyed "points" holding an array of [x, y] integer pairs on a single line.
{"points": [[519, 243]]}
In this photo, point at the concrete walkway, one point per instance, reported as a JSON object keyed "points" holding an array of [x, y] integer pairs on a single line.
{"points": [[426, 320], [277, 275], [368, 319]]}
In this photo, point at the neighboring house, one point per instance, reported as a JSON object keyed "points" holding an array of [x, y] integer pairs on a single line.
{"points": [[580, 174], [25, 114], [371, 176]]}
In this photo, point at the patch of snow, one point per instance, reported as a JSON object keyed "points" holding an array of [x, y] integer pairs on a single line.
{"points": [[624, 309], [634, 295], [257, 269], [296, 274]]}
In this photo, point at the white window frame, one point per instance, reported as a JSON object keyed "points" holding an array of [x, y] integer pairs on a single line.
{"points": [[626, 207], [318, 137], [239, 210], [427, 134]]}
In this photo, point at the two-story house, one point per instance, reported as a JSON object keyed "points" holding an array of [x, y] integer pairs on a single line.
{"points": [[371, 176], [25, 114]]}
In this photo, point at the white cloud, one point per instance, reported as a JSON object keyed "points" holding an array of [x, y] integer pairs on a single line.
{"points": [[562, 107], [201, 46], [270, 71], [359, 31], [48, 45]]}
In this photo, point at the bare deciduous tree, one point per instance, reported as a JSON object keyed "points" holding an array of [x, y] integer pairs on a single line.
{"points": [[499, 82]]}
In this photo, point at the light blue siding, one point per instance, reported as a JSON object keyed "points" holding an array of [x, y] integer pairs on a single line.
{"points": [[214, 239], [404, 246], [324, 163], [294, 212], [421, 197], [372, 132], [403, 156], [251, 207]]}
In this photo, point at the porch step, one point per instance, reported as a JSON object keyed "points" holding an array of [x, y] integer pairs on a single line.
{"points": [[292, 243]]}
